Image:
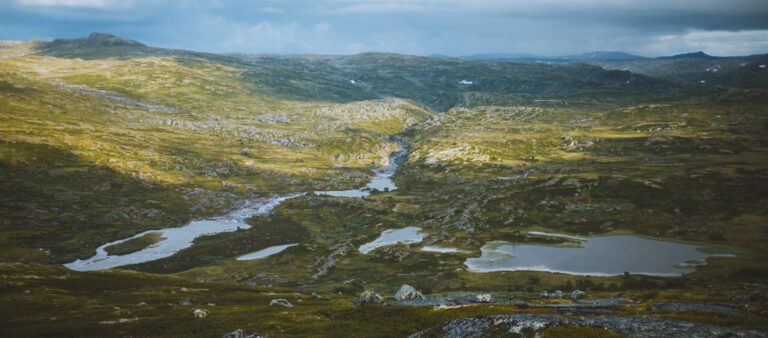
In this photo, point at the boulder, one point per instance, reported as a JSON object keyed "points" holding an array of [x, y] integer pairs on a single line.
{"points": [[557, 294], [408, 292], [240, 333], [578, 294], [200, 313], [281, 302], [186, 302], [483, 298], [368, 297]]}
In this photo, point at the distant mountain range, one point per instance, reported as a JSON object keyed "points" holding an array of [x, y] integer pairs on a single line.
{"points": [[564, 58], [411, 76]]}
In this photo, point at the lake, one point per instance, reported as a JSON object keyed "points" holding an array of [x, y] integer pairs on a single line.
{"points": [[596, 256]]}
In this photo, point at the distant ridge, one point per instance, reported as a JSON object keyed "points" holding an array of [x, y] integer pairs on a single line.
{"points": [[502, 56], [100, 45], [99, 40], [604, 56], [694, 55], [564, 58]]}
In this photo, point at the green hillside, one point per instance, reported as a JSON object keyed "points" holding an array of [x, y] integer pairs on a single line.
{"points": [[102, 138]]}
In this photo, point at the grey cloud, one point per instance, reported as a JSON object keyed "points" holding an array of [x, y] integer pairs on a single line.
{"points": [[455, 27]]}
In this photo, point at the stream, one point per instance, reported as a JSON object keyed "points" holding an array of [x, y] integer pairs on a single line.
{"points": [[179, 238]]}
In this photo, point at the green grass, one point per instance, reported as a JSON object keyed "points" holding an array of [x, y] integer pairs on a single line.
{"points": [[95, 149], [135, 244]]}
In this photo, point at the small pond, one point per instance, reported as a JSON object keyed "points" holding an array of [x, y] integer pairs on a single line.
{"points": [[179, 238], [440, 249], [263, 253], [407, 235]]}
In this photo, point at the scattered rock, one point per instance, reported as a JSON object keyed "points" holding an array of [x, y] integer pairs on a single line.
{"points": [[699, 307], [578, 294], [626, 326], [240, 333], [281, 301], [118, 321], [201, 313], [483, 298], [557, 294], [368, 297], [408, 292]]}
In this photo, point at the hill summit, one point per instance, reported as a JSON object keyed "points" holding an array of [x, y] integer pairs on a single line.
{"points": [[98, 45], [99, 40], [694, 55]]}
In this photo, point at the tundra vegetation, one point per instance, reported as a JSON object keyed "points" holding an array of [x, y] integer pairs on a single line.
{"points": [[102, 138]]}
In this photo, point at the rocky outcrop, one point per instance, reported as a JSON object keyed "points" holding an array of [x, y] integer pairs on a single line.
{"points": [[578, 294], [483, 298], [201, 313], [368, 297], [557, 294], [240, 333], [329, 262], [627, 326], [408, 292], [281, 302]]}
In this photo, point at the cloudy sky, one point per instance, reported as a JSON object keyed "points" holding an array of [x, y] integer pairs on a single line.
{"points": [[450, 27]]}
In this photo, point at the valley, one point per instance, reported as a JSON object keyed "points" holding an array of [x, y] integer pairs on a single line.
{"points": [[139, 185]]}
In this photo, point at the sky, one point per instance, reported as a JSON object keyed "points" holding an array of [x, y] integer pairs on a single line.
{"points": [[421, 27]]}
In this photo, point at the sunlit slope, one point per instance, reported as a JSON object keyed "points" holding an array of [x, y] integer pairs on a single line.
{"points": [[439, 83], [694, 168], [100, 149]]}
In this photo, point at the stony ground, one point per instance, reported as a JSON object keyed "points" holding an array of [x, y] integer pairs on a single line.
{"points": [[95, 148]]}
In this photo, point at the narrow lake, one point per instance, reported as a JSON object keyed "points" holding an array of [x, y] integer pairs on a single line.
{"points": [[178, 238]]}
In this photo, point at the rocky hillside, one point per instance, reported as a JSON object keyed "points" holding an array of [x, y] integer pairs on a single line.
{"points": [[103, 138]]}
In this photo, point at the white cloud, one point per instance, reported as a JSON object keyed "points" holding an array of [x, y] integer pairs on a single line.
{"points": [[322, 28], [720, 43], [271, 10], [260, 37], [100, 4], [527, 7]]}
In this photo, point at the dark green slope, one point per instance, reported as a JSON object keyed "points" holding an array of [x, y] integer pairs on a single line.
{"points": [[443, 83], [440, 83]]}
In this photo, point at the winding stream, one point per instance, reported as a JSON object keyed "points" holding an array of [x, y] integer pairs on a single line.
{"points": [[594, 255], [179, 238]]}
